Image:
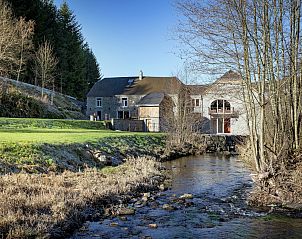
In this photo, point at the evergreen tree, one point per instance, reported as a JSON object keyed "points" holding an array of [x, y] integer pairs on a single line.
{"points": [[70, 52], [77, 68], [92, 70]]}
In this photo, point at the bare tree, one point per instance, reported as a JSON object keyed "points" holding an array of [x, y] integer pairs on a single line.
{"points": [[46, 65], [15, 41], [261, 40], [183, 121], [8, 39], [25, 30]]}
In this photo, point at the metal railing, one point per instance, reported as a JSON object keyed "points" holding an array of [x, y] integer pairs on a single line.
{"points": [[221, 111]]}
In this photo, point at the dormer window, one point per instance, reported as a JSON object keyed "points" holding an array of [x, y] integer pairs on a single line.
{"points": [[125, 102], [98, 102]]}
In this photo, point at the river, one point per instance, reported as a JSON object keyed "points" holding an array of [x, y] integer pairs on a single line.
{"points": [[218, 208]]}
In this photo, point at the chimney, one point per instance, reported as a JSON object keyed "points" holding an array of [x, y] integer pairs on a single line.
{"points": [[141, 75]]}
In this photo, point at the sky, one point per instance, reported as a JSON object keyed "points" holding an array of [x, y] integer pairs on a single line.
{"points": [[127, 36]]}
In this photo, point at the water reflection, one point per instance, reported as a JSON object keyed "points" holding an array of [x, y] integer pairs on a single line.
{"points": [[218, 209], [207, 174]]}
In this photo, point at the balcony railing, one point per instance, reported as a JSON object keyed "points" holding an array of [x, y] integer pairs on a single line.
{"points": [[227, 112]]}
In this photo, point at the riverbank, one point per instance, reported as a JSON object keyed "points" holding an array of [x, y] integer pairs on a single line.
{"points": [[278, 188], [206, 199], [76, 157], [55, 174], [53, 205]]}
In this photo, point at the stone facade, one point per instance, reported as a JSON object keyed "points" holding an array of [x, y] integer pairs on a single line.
{"points": [[110, 106], [226, 116]]}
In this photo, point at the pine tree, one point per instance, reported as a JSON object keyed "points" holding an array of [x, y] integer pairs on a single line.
{"points": [[71, 54], [77, 68], [92, 69]]}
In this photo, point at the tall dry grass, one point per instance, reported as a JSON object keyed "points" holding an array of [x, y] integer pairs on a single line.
{"points": [[49, 206]]}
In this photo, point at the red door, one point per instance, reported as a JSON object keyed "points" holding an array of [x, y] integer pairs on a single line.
{"points": [[227, 125]]}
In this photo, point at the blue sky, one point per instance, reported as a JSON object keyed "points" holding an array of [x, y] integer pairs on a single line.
{"points": [[129, 35]]}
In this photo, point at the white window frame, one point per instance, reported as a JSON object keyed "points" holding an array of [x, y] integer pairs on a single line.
{"points": [[125, 99], [195, 98], [98, 102]]}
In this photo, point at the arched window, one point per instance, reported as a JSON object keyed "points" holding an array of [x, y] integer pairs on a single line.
{"points": [[220, 106]]}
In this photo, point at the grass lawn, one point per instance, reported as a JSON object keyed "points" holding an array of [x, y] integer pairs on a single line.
{"points": [[55, 131], [57, 136]]}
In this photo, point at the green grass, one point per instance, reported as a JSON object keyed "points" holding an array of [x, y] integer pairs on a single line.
{"points": [[58, 136], [33, 123], [55, 131]]}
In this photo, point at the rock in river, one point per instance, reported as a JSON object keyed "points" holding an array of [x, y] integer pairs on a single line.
{"points": [[126, 211], [168, 207], [186, 196], [153, 225]]}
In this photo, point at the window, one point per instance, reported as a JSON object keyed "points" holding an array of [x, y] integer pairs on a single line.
{"points": [[196, 102], [98, 102], [221, 106], [125, 102], [120, 114], [123, 114]]}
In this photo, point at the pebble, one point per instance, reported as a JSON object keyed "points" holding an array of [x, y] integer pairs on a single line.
{"points": [[122, 218], [147, 195], [186, 196], [113, 224], [126, 211], [153, 225], [168, 207]]}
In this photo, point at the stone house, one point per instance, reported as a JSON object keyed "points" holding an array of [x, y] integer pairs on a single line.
{"points": [[219, 106], [139, 97]]}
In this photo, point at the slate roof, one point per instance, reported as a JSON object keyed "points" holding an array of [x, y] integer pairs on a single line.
{"points": [[120, 86], [109, 86], [151, 99], [229, 78], [197, 89]]}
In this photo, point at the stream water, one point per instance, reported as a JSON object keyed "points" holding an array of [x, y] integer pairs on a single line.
{"points": [[217, 210]]}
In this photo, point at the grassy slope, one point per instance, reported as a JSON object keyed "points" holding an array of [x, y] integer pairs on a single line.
{"points": [[58, 136], [38, 145], [53, 204], [55, 131], [24, 100]]}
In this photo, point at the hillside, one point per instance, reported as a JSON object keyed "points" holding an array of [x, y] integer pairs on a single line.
{"points": [[21, 100]]}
